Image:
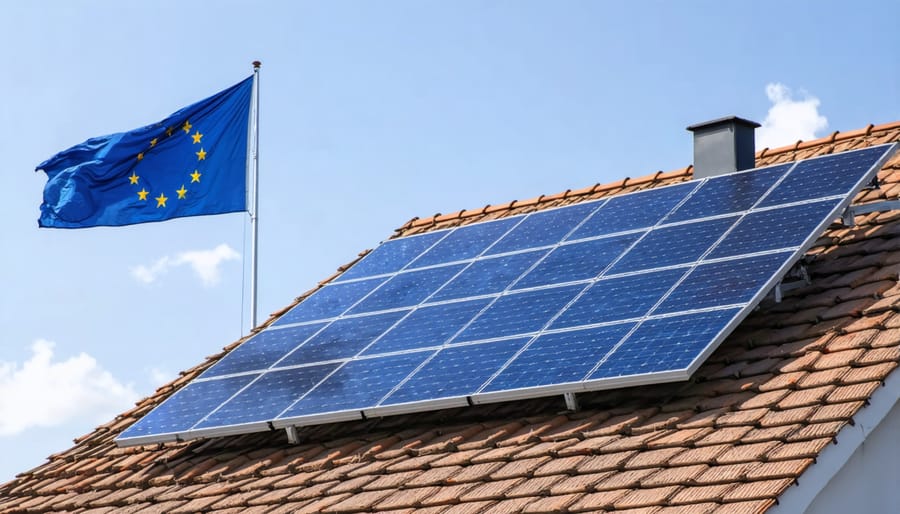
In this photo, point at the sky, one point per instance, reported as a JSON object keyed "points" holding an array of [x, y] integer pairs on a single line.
{"points": [[371, 113]]}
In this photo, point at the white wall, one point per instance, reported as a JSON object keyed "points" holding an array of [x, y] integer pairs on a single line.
{"points": [[870, 480]]}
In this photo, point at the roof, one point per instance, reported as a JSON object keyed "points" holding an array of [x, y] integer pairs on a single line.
{"points": [[733, 439]]}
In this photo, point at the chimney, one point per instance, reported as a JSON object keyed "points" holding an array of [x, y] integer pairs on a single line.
{"points": [[723, 146]]}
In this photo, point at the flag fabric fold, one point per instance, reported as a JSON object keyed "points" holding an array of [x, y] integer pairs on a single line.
{"points": [[192, 163]]}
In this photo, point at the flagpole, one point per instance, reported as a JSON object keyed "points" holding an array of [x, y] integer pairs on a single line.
{"points": [[253, 147]]}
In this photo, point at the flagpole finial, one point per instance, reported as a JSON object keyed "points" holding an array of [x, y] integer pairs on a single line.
{"points": [[256, 65]]}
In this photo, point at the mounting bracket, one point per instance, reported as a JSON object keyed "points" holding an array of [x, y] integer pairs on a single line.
{"points": [[800, 272], [292, 436], [847, 218], [571, 401]]}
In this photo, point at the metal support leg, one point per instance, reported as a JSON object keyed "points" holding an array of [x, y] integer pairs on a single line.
{"points": [[571, 401], [292, 436]]}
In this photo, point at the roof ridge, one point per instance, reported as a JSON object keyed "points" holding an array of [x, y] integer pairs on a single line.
{"points": [[658, 176]]}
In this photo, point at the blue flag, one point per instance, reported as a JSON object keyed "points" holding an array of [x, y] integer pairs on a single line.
{"points": [[190, 164]]}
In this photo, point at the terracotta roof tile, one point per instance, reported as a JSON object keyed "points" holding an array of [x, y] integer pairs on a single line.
{"points": [[598, 502], [407, 498], [751, 420], [490, 490], [550, 504], [676, 475]]}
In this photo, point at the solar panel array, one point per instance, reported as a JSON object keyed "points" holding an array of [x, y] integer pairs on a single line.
{"points": [[633, 289]]}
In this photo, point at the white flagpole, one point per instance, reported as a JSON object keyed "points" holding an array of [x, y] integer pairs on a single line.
{"points": [[253, 154]]}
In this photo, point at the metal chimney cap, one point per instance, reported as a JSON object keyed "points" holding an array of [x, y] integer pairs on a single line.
{"points": [[721, 121]]}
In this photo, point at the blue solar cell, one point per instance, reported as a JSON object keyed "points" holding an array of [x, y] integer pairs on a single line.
{"points": [[577, 261], [342, 339], [728, 193], [330, 301], [825, 176], [543, 228], [519, 313], [262, 350], [784, 227], [456, 371], [559, 358], [407, 289], [633, 211], [428, 326], [723, 283], [613, 299], [358, 385], [392, 255], [465, 242], [488, 276], [668, 246], [188, 406], [665, 344], [266, 398]]}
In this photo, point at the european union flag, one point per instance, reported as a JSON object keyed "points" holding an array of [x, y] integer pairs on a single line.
{"points": [[190, 164]]}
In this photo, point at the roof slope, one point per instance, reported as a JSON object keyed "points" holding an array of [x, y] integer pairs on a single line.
{"points": [[732, 439]]}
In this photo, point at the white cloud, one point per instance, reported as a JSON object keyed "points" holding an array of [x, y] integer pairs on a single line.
{"points": [[789, 120], [205, 263], [42, 392]]}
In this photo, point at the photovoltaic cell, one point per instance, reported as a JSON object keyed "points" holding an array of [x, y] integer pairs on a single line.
{"points": [[723, 283], [456, 371], [726, 194], [465, 242], [832, 175], [359, 384], [342, 339], [664, 344], [262, 350], [633, 289], [264, 399], [577, 261], [559, 358], [785, 227], [188, 406], [428, 326], [619, 298], [407, 289], [489, 276], [391, 256], [543, 228], [519, 313], [633, 211], [330, 301], [672, 245]]}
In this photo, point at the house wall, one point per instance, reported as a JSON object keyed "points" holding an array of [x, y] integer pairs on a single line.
{"points": [[870, 480]]}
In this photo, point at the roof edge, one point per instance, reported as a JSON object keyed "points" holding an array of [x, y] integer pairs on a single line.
{"points": [[832, 459]]}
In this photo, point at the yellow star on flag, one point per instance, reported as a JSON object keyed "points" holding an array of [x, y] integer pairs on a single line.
{"points": [[187, 127], [133, 178], [141, 156], [197, 136], [153, 142], [161, 200], [201, 155], [195, 176], [169, 131], [181, 192], [142, 194]]}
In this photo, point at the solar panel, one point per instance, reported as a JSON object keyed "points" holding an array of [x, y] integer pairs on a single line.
{"points": [[635, 289]]}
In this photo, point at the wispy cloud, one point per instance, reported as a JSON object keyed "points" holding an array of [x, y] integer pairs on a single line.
{"points": [[789, 119], [43, 392], [205, 263]]}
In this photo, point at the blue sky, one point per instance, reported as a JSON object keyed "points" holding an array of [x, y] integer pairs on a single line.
{"points": [[372, 113]]}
